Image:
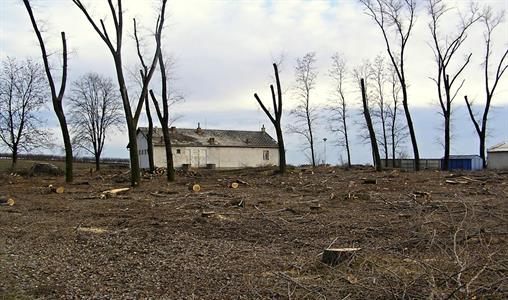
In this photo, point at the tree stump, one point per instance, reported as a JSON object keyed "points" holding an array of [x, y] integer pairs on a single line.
{"points": [[334, 256], [195, 187]]}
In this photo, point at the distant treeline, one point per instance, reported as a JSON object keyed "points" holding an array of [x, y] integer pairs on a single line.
{"points": [[83, 159]]}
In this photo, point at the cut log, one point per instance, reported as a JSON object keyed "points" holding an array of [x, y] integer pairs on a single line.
{"points": [[334, 256], [60, 190], [114, 192], [233, 185], [207, 214], [195, 187], [370, 181], [6, 201]]}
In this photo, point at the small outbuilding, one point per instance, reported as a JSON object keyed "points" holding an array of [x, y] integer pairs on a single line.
{"points": [[465, 162], [497, 156]]}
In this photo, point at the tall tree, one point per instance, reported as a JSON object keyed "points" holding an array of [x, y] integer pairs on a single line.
{"points": [[143, 74], [115, 47], [372, 133], [397, 17], [276, 118], [305, 113], [445, 50], [397, 130], [56, 96], [380, 76], [95, 110], [339, 107], [164, 118], [23, 92], [490, 22]]}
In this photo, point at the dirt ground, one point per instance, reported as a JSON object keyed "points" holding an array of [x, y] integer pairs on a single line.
{"points": [[426, 235]]}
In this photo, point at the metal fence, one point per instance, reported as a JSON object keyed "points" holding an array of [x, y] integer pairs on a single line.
{"points": [[409, 164]]}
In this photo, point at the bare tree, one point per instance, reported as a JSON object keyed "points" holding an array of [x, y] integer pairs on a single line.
{"points": [[372, 133], [305, 114], [490, 22], [397, 17], [115, 47], [444, 52], [23, 93], [380, 78], [276, 118], [56, 97], [164, 118], [339, 107], [143, 74], [397, 130], [95, 110]]}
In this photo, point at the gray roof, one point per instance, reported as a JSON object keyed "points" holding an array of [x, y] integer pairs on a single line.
{"points": [[186, 137], [502, 147]]}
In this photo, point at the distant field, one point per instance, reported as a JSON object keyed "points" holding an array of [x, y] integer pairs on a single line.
{"points": [[27, 164]]}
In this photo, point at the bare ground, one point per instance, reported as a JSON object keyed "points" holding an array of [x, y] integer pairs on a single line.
{"points": [[432, 235]]}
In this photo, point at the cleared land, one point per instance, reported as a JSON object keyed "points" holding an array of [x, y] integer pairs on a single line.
{"points": [[427, 235]]}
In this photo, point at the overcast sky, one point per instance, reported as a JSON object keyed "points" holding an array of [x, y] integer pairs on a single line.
{"points": [[224, 51]]}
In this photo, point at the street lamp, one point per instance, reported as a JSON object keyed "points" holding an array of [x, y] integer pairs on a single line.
{"points": [[324, 140]]}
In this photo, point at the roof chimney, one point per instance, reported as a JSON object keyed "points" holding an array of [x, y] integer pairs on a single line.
{"points": [[199, 130], [263, 128]]}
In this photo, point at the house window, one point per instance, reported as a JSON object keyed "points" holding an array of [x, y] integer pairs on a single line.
{"points": [[178, 151], [266, 155]]}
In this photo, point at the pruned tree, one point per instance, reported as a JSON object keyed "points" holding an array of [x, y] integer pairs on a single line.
{"points": [[276, 118], [490, 22], [305, 113], [56, 96], [143, 76], [23, 92], [95, 110], [445, 50], [372, 133], [115, 47], [397, 18], [338, 106], [164, 118], [380, 79]]}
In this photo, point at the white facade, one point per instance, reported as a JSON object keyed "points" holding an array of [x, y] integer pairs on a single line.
{"points": [[497, 157], [228, 157]]}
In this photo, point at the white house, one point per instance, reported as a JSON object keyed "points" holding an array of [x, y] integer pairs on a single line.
{"points": [[210, 148], [497, 156]]}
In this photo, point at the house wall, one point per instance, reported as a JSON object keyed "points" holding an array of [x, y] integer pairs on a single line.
{"points": [[222, 157], [143, 152], [497, 160]]}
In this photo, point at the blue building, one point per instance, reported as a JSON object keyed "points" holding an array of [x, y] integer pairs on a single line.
{"points": [[465, 162]]}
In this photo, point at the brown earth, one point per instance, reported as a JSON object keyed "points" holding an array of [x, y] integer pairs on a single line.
{"points": [[432, 235]]}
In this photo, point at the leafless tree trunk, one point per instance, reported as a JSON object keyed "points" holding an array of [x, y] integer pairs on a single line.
{"points": [[164, 119], [490, 22], [305, 113], [96, 109], [380, 79], [276, 118], [116, 51], [444, 53], [372, 133], [144, 73], [23, 93], [339, 107], [398, 131], [398, 16], [56, 97]]}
